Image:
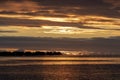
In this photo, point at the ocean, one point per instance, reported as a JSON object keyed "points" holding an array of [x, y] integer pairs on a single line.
{"points": [[59, 68]]}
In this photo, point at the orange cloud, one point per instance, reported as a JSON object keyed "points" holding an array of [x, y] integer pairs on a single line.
{"points": [[18, 6]]}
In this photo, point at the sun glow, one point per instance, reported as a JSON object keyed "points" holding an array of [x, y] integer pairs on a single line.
{"points": [[61, 30], [70, 26]]}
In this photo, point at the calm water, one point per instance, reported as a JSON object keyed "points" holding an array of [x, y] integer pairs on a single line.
{"points": [[59, 68]]}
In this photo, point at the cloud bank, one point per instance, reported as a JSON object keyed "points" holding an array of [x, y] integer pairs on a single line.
{"points": [[104, 45]]}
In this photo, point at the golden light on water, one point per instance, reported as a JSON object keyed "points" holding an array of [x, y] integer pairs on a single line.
{"points": [[73, 36]]}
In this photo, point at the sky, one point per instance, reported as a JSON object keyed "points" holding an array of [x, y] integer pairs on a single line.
{"points": [[60, 21]]}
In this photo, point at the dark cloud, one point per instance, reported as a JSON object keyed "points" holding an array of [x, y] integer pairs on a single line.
{"points": [[109, 8], [12, 5], [8, 31], [18, 22], [39, 23], [79, 3], [46, 13], [99, 12], [83, 3], [114, 3], [59, 8], [95, 44]]}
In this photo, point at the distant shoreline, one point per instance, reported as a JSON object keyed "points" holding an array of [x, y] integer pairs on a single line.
{"points": [[49, 53], [29, 53]]}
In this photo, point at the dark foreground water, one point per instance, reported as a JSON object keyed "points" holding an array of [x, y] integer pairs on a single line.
{"points": [[59, 68]]}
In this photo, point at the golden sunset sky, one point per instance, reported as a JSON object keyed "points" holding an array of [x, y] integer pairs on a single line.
{"points": [[60, 18], [72, 19]]}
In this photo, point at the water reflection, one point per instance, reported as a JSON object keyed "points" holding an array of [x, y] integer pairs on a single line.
{"points": [[59, 68], [16, 61]]}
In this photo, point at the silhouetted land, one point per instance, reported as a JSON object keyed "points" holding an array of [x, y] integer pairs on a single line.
{"points": [[37, 53]]}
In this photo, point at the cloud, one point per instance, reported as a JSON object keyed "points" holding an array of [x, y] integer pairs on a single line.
{"points": [[62, 2], [76, 44], [87, 22], [8, 31], [94, 15], [38, 23], [83, 7], [62, 7], [115, 3], [79, 3], [18, 6]]}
